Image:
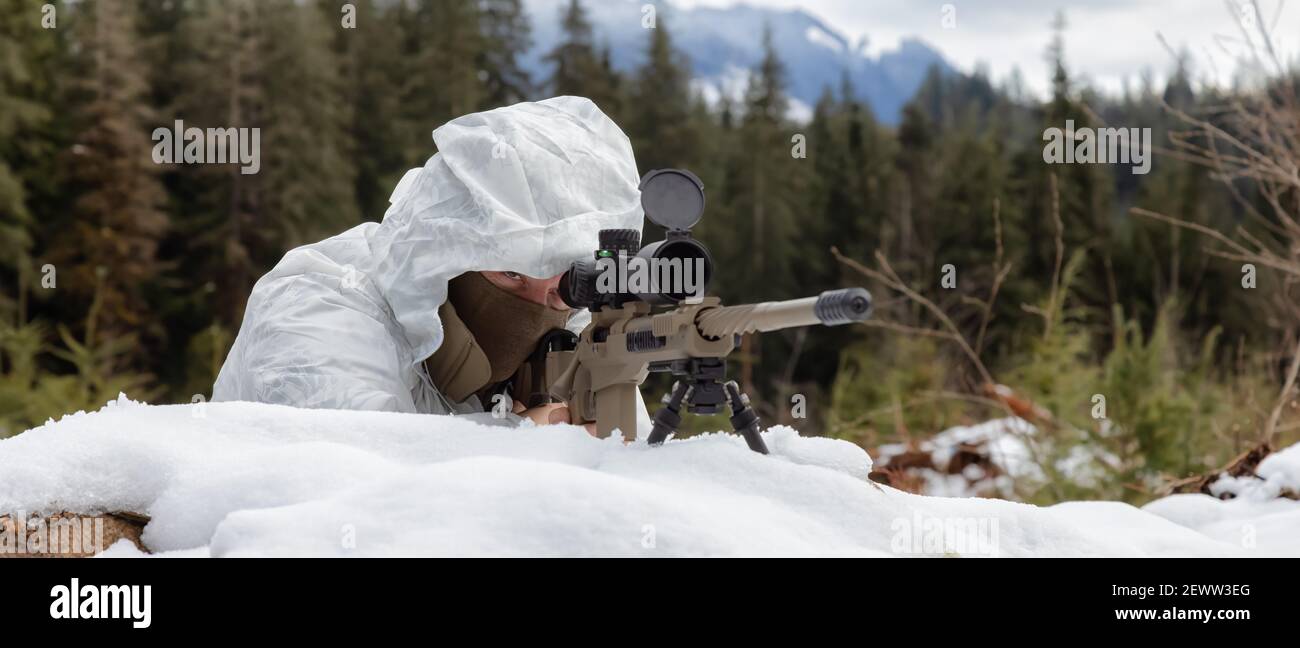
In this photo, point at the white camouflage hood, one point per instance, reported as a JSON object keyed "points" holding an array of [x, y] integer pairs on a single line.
{"points": [[524, 188]]}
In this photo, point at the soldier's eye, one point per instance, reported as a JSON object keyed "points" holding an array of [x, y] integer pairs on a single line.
{"points": [[513, 276]]}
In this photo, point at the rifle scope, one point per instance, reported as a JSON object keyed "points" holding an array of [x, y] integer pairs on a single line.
{"points": [[672, 199]]}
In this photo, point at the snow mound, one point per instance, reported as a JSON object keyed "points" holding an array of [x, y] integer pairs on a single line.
{"points": [[1277, 475], [1258, 513], [243, 479]]}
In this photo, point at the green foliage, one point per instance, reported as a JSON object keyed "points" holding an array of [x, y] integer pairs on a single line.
{"points": [[1164, 409], [1058, 371], [893, 388], [30, 392], [203, 359], [1167, 403]]}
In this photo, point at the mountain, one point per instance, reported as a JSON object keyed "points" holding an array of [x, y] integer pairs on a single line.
{"points": [[725, 43]]}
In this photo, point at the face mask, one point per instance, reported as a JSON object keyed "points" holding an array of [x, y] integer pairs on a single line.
{"points": [[507, 327]]}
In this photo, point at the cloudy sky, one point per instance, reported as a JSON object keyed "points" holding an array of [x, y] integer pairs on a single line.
{"points": [[1107, 41]]}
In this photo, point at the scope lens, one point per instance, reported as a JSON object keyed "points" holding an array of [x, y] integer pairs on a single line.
{"points": [[681, 268]]}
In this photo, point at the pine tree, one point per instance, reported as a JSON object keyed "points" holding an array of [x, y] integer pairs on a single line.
{"points": [[847, 204], [765, 204], [443, 47], [307, 175], [506, 34], [575, 56], [870, 157], [851, 167], [107, 248], [660, 122], [831, 190], [835, 219], [158, 25], [581, 69], [218, 74], [913, 200], [374, 71], [1084, 190], [267, 65], [26, 111]]}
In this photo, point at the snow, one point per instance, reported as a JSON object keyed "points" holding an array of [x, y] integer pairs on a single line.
{"points": [[1253, 512], [1278, 473], [1005, 441], [1261, 527], [124, 549], [819, 36], [243, 479], [731, 84], [1009, 444]]}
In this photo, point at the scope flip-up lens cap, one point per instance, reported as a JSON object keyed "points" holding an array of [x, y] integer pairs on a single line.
{"points": [[672, 198]]}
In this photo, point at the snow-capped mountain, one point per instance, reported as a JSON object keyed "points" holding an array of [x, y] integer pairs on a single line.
{"points": [[724, 44]]}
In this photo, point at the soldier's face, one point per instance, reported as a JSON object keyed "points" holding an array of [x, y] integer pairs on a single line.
{"points": [[539, 291]]}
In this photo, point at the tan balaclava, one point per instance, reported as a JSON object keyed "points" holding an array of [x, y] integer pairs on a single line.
{"points": [[506, 327]]}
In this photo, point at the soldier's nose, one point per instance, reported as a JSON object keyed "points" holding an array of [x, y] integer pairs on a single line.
{"points": [[551, 296]]}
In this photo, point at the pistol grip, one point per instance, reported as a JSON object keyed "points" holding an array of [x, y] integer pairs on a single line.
{"points": [[616, 409]]}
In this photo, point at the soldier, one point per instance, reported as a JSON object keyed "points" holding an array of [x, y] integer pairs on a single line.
{"points": [[434, 308]]}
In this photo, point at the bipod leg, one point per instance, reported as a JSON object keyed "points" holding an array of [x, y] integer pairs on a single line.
{"points": [[744, 420], [669, 416]]}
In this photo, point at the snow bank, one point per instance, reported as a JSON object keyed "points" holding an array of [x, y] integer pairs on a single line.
{"points": [[1278, 475], [1257, 513], [241, 479]]}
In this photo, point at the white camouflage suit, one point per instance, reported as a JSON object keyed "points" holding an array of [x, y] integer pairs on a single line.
{"points": [[347, 322]]}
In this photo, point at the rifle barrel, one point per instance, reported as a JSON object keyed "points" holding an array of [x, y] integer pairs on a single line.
{"points": [[830, 308]]}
